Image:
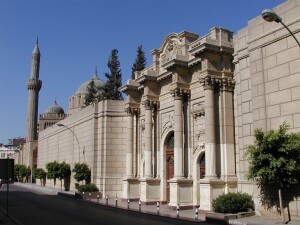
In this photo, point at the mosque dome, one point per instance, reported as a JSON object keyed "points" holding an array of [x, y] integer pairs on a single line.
{"points": [[55, 109], [83, 88]]}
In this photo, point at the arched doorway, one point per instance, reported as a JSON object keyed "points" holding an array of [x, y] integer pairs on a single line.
{"points": [[201, 166], [169, 163]]}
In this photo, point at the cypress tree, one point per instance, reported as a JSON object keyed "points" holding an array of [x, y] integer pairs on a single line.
{"points": [[140, 61], [114, 78], [91, 93]]}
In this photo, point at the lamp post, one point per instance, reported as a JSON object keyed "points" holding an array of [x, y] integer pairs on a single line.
{"points": [[269, 15], [62, 125]]}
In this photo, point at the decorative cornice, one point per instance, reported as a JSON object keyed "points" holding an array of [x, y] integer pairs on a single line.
{"points": [[174, 63], [142, 79], [193, 62], [128, 87], [164, 75]]}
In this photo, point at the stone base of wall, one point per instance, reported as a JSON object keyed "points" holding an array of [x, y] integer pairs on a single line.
{"points": [[181, 192], [131, 188], [150, 190], [209, 190]]}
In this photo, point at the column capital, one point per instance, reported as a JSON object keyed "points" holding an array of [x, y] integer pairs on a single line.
{"points": [[132, 111], [227, 84], [151, 104], [208, 82], [179, 93]]}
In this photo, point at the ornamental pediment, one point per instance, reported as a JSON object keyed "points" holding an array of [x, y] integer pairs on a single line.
{"points": [[174, 49], [171, 49]]}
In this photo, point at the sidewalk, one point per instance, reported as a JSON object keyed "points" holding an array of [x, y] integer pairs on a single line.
{"points": [[163, 210]]}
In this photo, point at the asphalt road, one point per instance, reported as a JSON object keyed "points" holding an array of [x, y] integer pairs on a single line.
{"points": [[35, 208]]}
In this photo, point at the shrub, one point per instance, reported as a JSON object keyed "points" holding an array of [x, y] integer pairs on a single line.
{"points": [[88, 188], [233, 203], [82, 172]]}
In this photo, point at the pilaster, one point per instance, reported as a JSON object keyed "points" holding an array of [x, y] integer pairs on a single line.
{"points": [[208, 83], [131, 185], [178, 95], [149, 107]]}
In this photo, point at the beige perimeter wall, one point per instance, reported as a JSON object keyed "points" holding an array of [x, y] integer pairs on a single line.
{"points": [[267, 74], [101, 133]]}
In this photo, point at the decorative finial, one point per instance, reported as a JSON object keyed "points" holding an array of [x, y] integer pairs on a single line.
{"points": [[37, 40], [55, 101], [96, 70]]}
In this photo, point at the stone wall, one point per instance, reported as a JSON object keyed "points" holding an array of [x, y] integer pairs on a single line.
{"points": [[267, 74], [100, 131]]}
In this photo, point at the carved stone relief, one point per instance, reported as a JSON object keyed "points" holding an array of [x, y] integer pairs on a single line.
{"points": [[142, 126], [167, 127], [173, 47], [200, 140], [198, 111]]}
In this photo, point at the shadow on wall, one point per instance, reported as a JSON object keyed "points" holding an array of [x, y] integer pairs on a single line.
{"points": [[269, 197]]}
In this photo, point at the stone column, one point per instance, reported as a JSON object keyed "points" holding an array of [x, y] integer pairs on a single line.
{"points": [[129, 154], [148, 138], [210, 130], [178, 134]]}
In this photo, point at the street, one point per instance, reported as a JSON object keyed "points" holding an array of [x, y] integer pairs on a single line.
{"points": [[35, 208]]}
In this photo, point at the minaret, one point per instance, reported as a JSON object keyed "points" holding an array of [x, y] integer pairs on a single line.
{"points": [[34, 86]]}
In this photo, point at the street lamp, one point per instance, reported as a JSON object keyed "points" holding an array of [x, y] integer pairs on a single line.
{"points": [[62, 125], [269, 15]]}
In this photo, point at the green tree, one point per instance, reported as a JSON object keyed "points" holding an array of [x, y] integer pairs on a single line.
{"points": [[91, 93], [82, 172], [274, 162], [53, 170], [140, 61], [114, 78], [39, 173], [64, 173], [21, 172]]}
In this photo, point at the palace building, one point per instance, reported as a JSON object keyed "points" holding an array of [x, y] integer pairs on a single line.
{"points": [[181, 134]]}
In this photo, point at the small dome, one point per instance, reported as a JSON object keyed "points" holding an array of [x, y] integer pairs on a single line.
{"points": [[55, 109], [83, 88]]}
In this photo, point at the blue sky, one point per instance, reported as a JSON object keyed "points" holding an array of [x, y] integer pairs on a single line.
{"points": [[77, 35]]}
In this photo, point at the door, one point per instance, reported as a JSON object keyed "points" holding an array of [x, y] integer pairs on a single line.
{"points": [[169, 164], [201, 167]]}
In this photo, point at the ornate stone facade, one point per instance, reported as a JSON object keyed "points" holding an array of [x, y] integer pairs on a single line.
{"points": [[168, 93]]}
